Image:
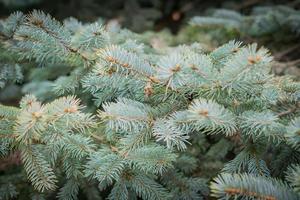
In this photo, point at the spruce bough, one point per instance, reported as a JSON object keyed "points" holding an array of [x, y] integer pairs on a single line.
{"points": [[127, 120]]}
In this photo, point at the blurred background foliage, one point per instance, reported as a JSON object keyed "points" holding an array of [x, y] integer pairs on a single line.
{"points": [[138, 15]]}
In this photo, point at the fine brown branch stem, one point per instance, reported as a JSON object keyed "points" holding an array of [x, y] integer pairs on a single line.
{"points": [[289, 111]]}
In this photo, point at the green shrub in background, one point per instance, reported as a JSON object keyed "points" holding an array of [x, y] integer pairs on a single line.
{"points": [[115, 118], [271, 25]]}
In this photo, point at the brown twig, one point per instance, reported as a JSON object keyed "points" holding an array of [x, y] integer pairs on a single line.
{"points": [[12, 159], [289, 111], [279, 55]]}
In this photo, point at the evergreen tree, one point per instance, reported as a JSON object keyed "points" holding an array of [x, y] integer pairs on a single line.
{"points": [[130, 121]]}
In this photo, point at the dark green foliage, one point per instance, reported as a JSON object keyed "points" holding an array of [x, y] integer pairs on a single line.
{"points": [[267, 20]]}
